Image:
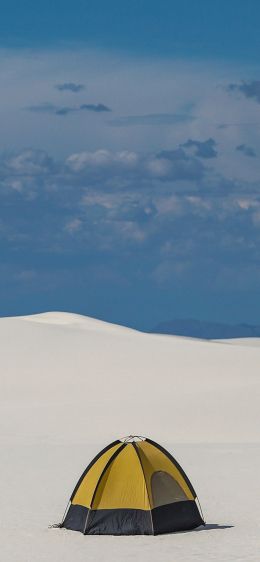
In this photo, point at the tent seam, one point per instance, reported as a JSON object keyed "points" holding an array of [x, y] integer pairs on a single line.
{"points": [[139, 458], [112, 458], [80, 480]]}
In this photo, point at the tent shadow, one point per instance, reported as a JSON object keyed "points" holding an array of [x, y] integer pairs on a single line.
{"points": [[212, 526], [207, 527]]}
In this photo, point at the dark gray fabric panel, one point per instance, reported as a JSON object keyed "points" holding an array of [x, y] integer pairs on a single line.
{"points": [[75, 518], [108, 521], [177, 516], [119, 522]]}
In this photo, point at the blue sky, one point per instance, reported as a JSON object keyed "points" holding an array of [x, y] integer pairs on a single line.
{"points": [[129, 160], [166, 28]]}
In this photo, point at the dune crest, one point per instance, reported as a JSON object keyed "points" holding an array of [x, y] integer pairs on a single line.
{"points": [[70, 319]]}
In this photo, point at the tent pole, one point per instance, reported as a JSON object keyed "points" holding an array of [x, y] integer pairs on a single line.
{"points": [[99, 480], [149, 499], [66, 511], [201, 512]]}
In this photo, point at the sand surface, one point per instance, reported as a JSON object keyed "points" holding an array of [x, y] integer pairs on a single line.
{"points": [[70, 385]]}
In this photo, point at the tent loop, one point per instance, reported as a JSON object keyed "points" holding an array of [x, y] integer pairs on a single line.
{"points": [[132, 438], [202, 515]]}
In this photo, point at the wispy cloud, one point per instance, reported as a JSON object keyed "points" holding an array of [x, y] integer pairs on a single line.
{"points": [[97, 108], [177, 164], [250, 89], [246, 150], [52, 109], [239, 125], [151, 119], [202, 149], [70, 87], [44, 107]]}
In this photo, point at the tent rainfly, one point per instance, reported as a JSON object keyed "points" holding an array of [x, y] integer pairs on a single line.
{"points": [[133, 487]]}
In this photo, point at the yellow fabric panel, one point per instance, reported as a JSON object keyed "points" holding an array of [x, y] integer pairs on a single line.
{"points": [[87, 487], [154, 460], [123, 484]]}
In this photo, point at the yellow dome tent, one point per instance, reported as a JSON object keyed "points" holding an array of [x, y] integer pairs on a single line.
{"points": [[133, 487]]}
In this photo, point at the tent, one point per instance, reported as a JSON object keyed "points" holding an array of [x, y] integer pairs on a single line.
{"points": [[133, 487]]}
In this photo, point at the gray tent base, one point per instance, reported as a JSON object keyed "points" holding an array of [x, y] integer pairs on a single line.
{"points": [[170, 518]]}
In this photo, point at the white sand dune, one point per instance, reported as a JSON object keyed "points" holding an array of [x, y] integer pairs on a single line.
{"points": [[250, 342], [71, 384]]}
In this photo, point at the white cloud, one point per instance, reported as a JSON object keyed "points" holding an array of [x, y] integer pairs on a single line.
{"points": [[131, 231], [247, 203], [29, 162], [73, 225], [171, 204], [159, 167], [199, 203], [101, 159]]}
